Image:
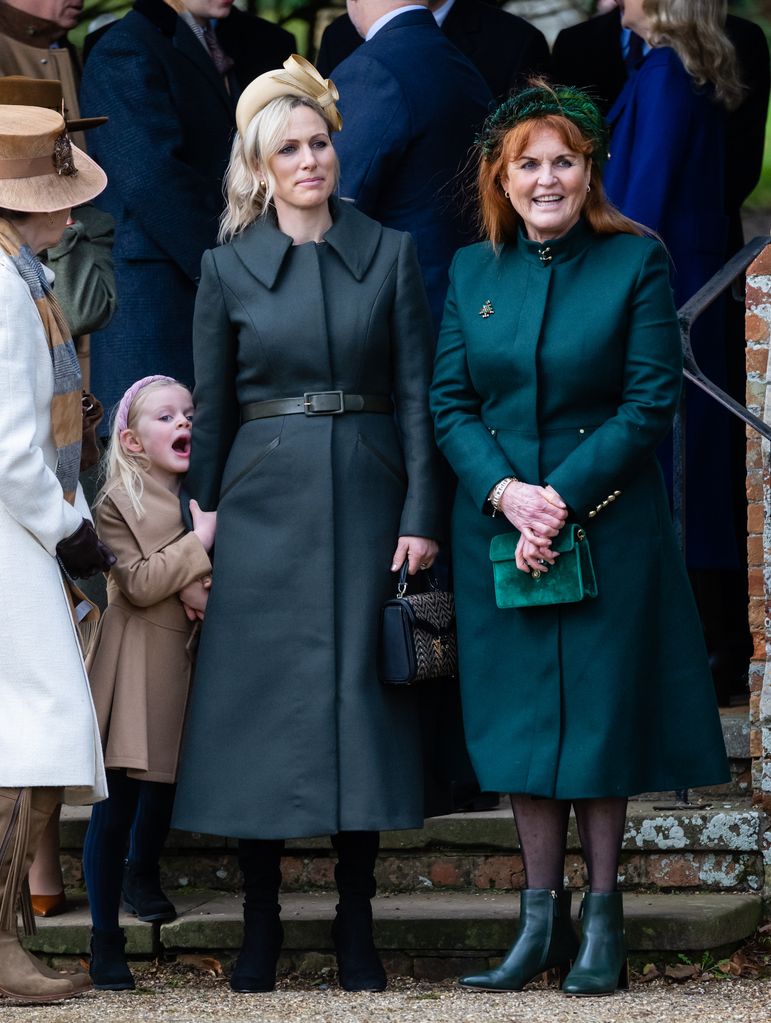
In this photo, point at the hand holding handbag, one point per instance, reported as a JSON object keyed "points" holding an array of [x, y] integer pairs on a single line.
{"points": [[569, 580], [417, 635]]}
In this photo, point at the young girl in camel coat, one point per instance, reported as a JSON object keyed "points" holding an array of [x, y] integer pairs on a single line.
{"points": [[140, 664]]}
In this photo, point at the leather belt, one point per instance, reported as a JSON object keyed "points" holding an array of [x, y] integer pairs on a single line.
{"points": [[317, 403]]}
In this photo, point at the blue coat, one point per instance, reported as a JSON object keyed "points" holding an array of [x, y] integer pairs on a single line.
{"points": [[411, 105], [165, 149], [667, 171]]}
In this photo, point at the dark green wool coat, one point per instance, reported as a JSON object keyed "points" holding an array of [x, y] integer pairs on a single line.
{"points": [[290, 733], [573, 380]]}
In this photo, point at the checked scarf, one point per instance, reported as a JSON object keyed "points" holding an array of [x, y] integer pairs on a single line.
{"points": [[66, 409]]}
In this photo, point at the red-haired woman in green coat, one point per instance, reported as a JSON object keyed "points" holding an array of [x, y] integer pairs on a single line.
{"points": [[557, 373]]}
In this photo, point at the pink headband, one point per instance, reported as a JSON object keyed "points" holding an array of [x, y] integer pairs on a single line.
{"points": [[121, 416]]}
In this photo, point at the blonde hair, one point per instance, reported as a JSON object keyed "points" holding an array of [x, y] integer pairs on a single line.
{"points": [[695, 29], [249, 183], [121, 467], [500, 222]]}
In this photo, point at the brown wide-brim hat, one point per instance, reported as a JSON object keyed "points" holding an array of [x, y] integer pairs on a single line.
{"points": [[40, 170], [297, 78], [22, 91]]}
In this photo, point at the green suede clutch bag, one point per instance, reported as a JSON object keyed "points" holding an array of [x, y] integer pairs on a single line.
{"points": [[570, 579]]}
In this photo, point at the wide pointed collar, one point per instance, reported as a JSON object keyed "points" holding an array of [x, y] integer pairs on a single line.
{"points": [[263, 247], [557, 250]]}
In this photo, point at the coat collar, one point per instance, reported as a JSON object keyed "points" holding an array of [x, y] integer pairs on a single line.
{"points": [[161, 523], [558, 250], [408, 19], [262, 248], [27, 28]]}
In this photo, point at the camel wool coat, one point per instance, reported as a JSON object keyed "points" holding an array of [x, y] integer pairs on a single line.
{"points": [[290, 733], [140, 665], [571, 379]]}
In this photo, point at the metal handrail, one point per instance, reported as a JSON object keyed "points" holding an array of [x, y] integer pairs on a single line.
{"points": [[687, 314]]}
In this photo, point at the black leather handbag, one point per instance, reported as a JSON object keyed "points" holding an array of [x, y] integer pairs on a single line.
{"points": [[417, 635]]}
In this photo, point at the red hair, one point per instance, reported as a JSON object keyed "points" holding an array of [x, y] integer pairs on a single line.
{"points": [[500, 222]]}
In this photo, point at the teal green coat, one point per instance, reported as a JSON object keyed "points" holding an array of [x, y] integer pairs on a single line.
{"points": [[573, 380]]}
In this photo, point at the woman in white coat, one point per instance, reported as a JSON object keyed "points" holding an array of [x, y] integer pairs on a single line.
{"points": [[49, 742]]}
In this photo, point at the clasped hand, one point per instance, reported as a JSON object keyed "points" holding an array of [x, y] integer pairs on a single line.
{"points": [[538, 513]]}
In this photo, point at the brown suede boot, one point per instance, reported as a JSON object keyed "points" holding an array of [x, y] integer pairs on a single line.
{"points": [[23, 814]]}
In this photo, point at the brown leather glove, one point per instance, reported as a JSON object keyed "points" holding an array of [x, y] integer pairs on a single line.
{"points": [[83, 554]]}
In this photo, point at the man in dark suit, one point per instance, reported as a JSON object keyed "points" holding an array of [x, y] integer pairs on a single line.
{"points": [[169, 83], [503, 47], [411, 104]]}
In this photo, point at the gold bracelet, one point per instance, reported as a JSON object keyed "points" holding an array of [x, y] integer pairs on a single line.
{"points": [[496, 493]]}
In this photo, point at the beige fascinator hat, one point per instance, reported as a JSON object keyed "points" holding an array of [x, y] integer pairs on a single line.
{"points": [[40, 170], [298, 78]]}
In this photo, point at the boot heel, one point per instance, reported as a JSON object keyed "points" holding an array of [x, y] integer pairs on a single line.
{"points": [[564, 970], [623, 977]]}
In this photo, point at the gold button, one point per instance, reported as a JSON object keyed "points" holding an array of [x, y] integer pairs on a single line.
{"points": [[592, 514], [616, 493], [611, 497], [581, 430], [604, 504]]}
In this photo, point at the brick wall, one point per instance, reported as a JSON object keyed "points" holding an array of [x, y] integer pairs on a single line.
{"points": [[758, 333]]}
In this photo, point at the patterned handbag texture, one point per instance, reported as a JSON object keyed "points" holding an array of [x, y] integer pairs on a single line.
{"points": [[433, 630]]}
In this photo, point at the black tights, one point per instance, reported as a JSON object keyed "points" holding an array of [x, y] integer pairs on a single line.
{"points": [[543, 827]]}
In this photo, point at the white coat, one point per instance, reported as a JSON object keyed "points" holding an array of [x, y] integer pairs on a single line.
{"points": [[48, 730]]}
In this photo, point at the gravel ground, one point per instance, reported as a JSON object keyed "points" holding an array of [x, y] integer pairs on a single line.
{"points": [[178, 997]]}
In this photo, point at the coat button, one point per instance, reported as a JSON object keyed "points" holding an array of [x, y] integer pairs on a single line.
{"points": [[592, 513], [581, 430], [616, 493], [611, 497]]}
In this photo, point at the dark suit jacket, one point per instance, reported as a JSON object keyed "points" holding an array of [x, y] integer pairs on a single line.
{"points": [[411, 106], [165, 149], [503, 47], [589, 55]]}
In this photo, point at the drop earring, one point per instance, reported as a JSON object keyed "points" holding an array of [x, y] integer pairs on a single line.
{"points": [[588, 188], [262, 185]]}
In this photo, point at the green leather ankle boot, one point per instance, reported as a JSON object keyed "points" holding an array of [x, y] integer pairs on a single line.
{"points": [[600, 968], [545, 940]]}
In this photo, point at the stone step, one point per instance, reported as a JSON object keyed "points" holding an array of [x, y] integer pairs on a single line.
{"points": [[715, 847], [428, 935]]}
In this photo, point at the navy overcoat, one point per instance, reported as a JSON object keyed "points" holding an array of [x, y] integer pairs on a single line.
{"points": [[165, 149], [666, 171], [573, 381], [411, 104]]}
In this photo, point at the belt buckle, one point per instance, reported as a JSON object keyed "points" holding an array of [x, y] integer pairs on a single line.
{"points": [[308, 403]]}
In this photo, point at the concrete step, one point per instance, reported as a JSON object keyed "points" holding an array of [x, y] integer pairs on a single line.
{"points": [[427, 935], [715, 847]]}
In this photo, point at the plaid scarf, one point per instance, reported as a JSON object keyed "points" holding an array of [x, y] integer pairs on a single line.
{"points": [[66, 410]]}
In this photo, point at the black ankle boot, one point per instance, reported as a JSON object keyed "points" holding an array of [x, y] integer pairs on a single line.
{"points": [[545, 940], [108, 968], [600, 967], [255, 969], [143, 896], [358, 963]]}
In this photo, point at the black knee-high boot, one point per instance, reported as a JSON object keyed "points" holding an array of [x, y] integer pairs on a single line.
{"points": [[358, 962], [260, 862]]}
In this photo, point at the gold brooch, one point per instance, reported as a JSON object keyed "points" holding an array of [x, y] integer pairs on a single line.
{"points": [[487, 309]]}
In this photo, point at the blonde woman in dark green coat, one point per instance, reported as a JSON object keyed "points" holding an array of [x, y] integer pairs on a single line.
{"points": [[557, 373], [313, 440]]}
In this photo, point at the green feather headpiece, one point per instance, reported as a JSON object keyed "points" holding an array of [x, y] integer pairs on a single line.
{"points": [[542, 100]]}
